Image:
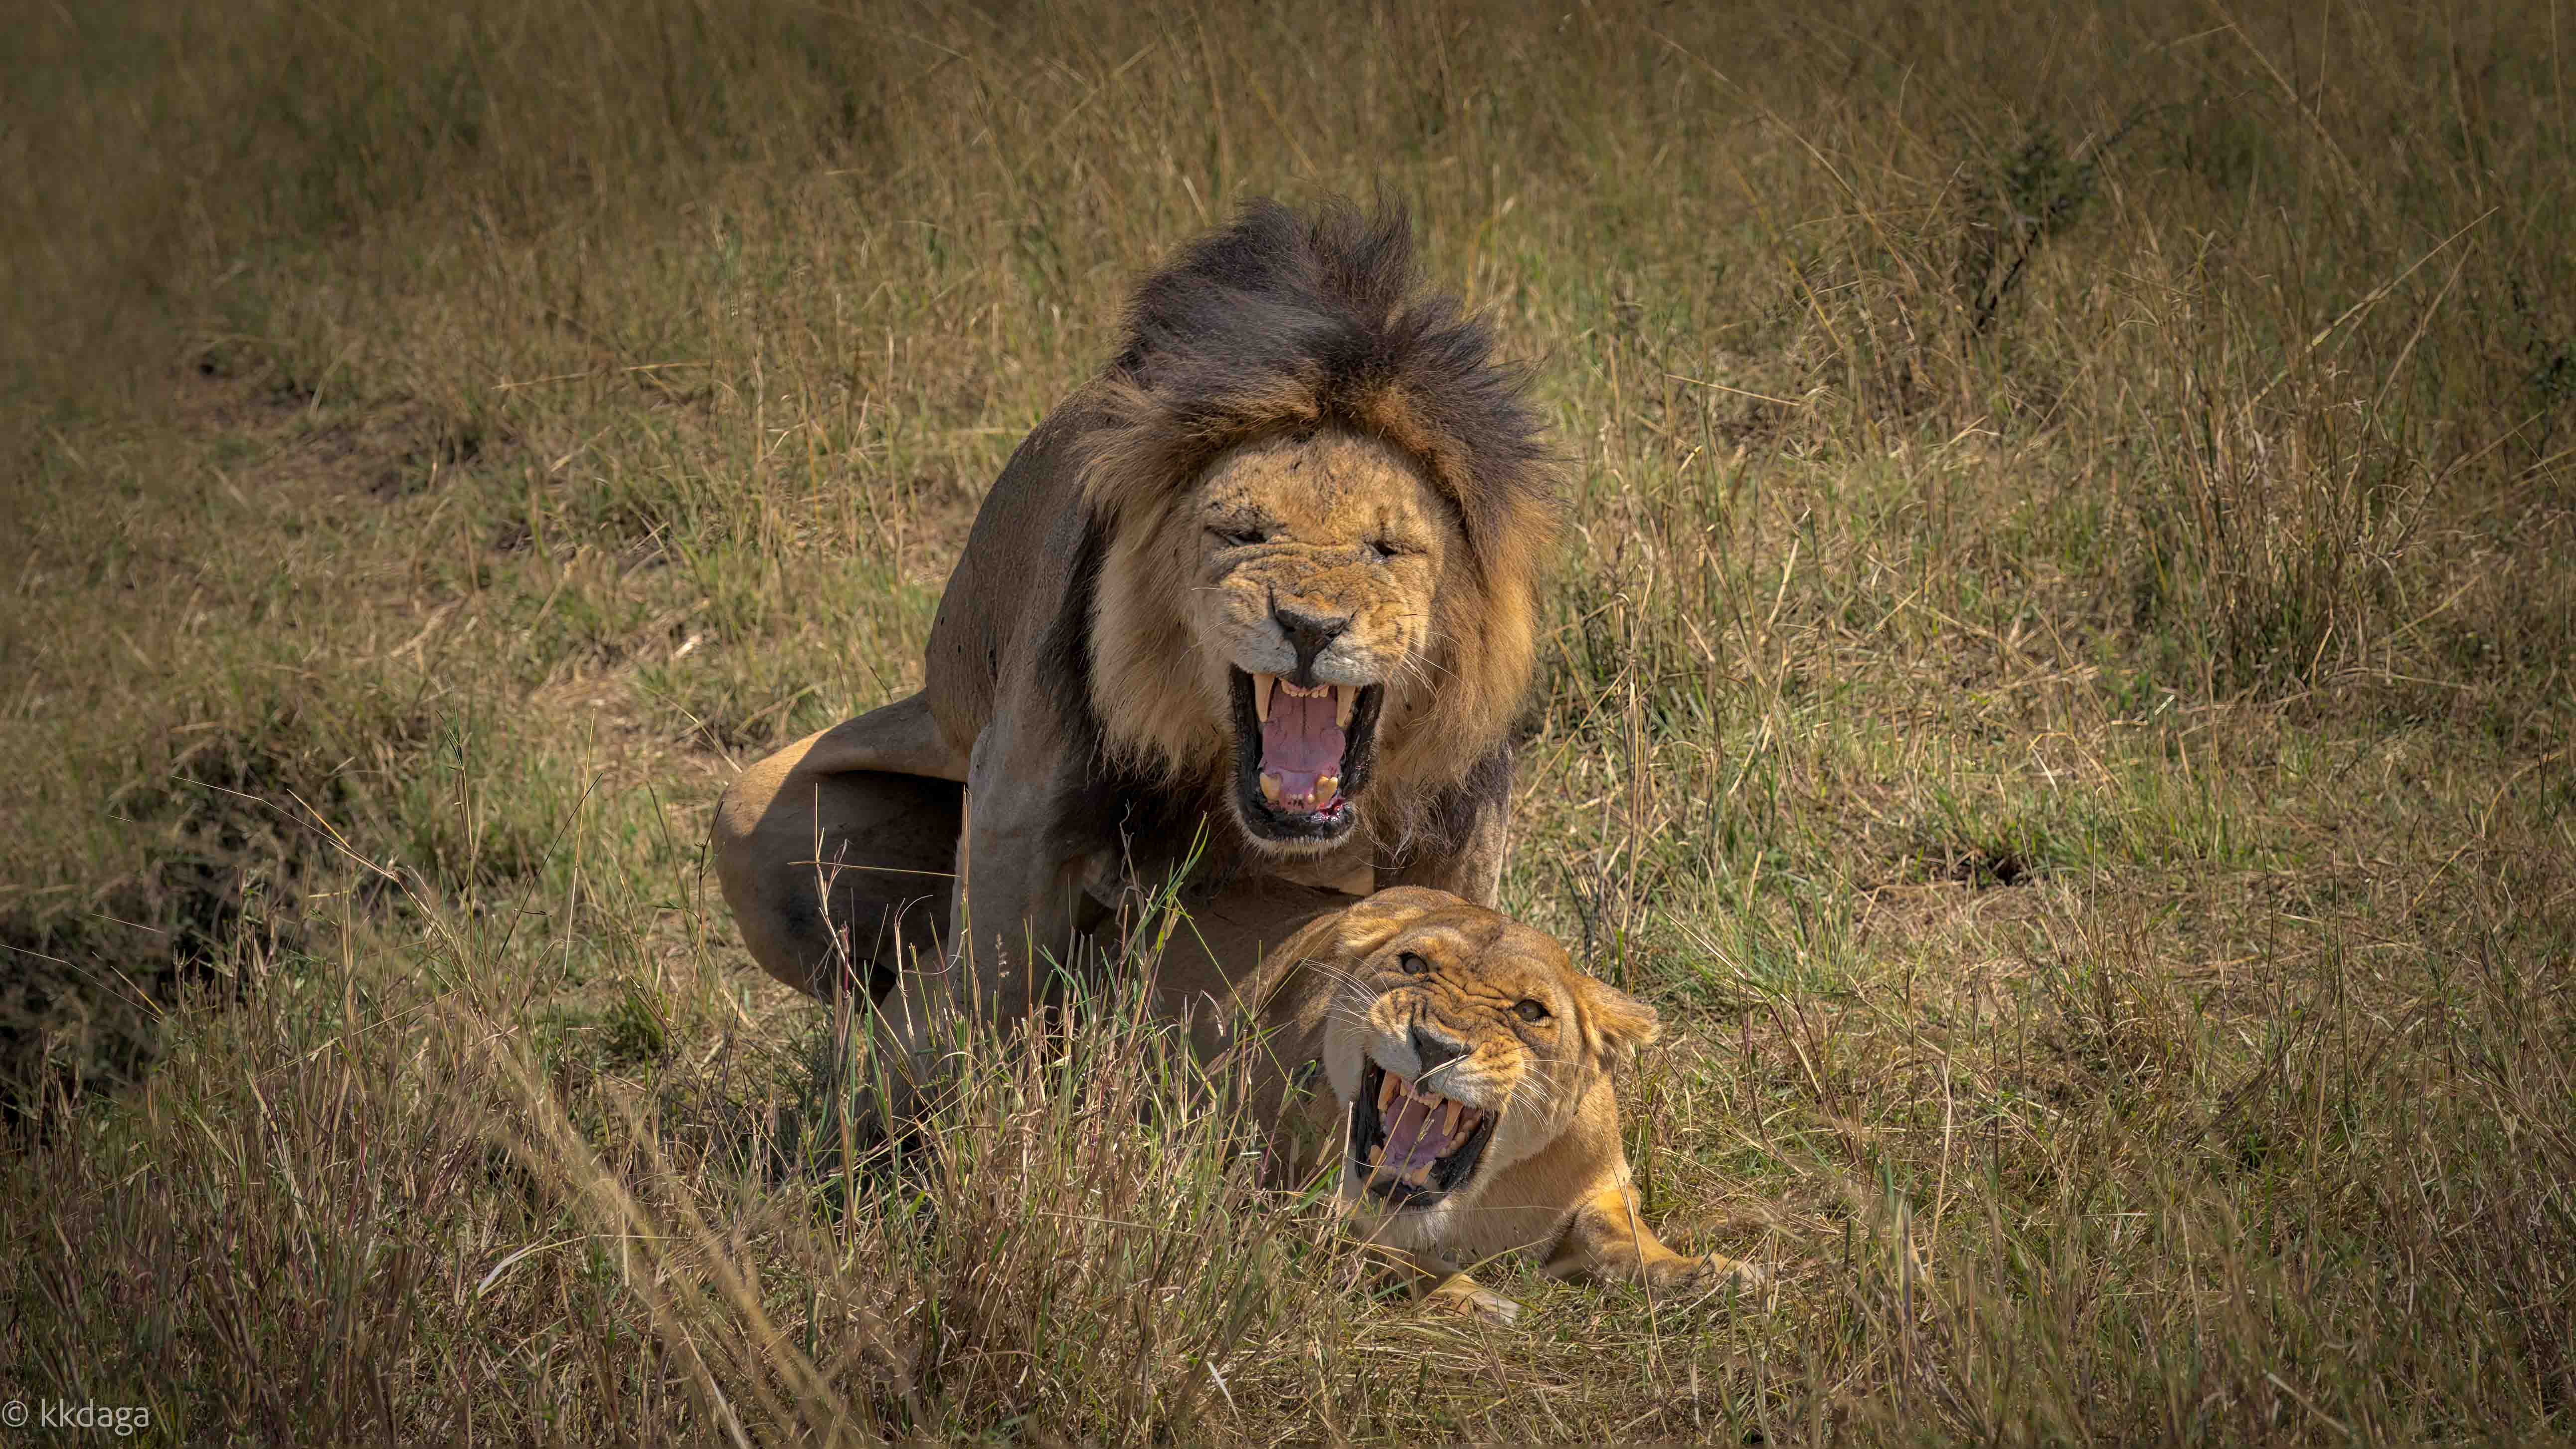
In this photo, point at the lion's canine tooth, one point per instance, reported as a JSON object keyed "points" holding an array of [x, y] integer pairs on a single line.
{"points": [[1449, 1118], [1344, 697], [1270, 787], [1386, 1090], [1261, 697]]}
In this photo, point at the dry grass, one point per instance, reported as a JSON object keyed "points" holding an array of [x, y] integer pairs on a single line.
{"points": [[2060, 692]]}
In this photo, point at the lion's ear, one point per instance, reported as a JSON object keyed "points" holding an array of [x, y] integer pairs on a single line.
{"points": [[1374, 921], [1620, 1024]]}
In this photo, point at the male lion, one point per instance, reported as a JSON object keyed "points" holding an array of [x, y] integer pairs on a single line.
{"points": [[1471, 1112], [1272, 571]]}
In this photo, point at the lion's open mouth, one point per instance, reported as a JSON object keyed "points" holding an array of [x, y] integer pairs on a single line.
{"points": [[1413, 1147], [1302, 754]]}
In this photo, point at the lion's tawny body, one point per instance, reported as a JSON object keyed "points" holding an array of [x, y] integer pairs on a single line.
{"points": [[1262, 593]]}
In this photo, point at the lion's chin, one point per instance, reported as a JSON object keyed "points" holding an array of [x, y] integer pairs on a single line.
{"points": [[1303, 755]]}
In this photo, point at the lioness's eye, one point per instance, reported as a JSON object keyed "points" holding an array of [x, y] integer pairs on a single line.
{"points": [[1531, 1011], [1380, 550], [1237, 537], [1413, 965]]}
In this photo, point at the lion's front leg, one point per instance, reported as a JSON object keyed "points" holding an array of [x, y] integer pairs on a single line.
{"points": [[1012, 917], [1013, 912], [990, 979]]}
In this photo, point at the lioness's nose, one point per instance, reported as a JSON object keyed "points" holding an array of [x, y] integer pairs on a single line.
{"points": [[1430, 1053], [1309, 634]]}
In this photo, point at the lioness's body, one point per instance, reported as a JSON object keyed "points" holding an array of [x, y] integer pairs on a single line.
{"points": [[1296, 480], [1293, 977], [1274, 979]]}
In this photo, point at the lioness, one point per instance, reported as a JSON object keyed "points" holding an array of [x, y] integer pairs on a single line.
{"points": [[1471, 1112], [1271, 572]]}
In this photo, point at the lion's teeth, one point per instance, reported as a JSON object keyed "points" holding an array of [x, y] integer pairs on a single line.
{"points": [[1386, 1089], [1327, 786], [1270, 788], [1344, 697], [1261, 695], [1449, 1119]]}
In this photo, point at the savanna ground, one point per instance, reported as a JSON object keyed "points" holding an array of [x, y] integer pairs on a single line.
{"points": [[2060, 691]]}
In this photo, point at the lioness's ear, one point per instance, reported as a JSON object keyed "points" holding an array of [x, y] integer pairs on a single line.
{"points": [[1620, 1024], [1374, 921]]}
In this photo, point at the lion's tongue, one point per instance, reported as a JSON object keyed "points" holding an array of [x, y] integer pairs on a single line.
{"points": [[1300, 744], [1412, 1138]]}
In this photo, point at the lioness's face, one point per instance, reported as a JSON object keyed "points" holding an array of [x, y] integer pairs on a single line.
{"points": [[1319, 558], [1461, 1047]]}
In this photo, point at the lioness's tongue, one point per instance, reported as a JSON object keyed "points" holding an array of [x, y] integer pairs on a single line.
{"points": [[1300, 744], [1411, 1139]]}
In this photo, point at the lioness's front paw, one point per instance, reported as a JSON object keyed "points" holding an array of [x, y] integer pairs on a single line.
{"points": [[1460, 1295], [1708, 1274]]}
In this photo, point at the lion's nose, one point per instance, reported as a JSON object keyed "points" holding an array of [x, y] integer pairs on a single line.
{"points": [[1431, 1053], [1309, 635]]}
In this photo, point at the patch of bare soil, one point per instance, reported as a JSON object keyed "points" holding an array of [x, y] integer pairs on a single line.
{"points": [[388, 451], [88, 984]]}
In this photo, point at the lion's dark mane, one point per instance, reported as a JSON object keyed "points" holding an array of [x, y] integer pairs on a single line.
{"points": [[1279, 321]]}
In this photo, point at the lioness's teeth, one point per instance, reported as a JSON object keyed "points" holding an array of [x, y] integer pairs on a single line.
{"points": [[1377, 1155], [1419, 1176], [1343, 698], [1327, 786], [1386, 1090], [1261, 697], [1270, 789], [1449, 1119]]}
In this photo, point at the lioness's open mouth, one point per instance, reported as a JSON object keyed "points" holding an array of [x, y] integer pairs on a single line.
{"points": [[1302, 754], [1412, 1146]]}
